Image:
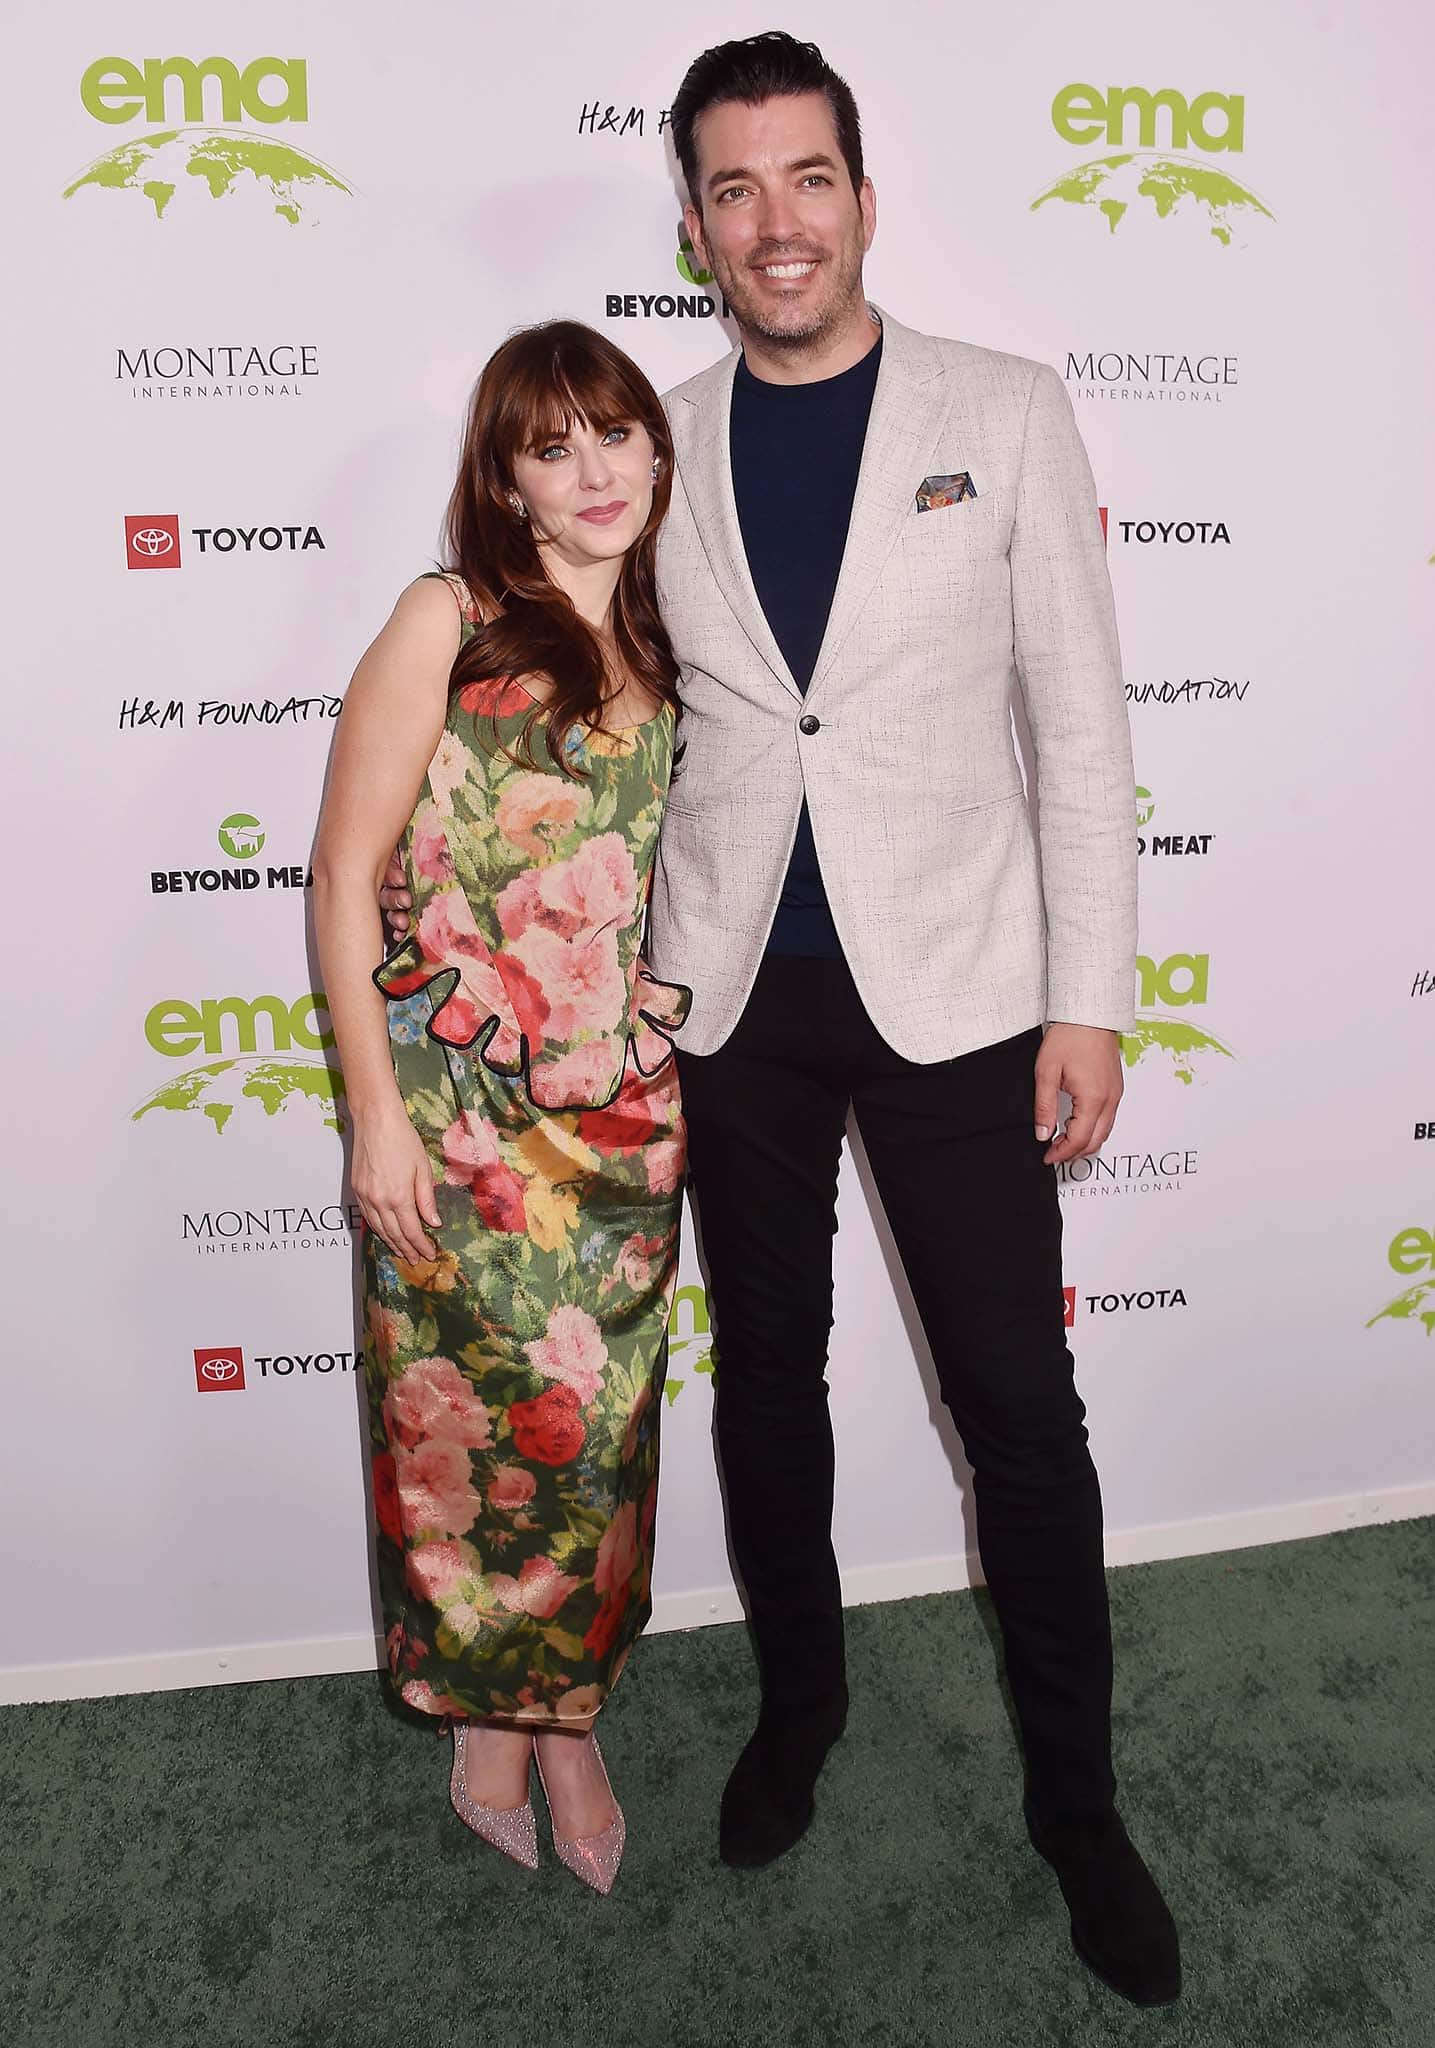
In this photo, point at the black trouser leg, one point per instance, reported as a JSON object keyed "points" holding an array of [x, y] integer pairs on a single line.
{"points": [[975, 1216], [765, 1117]]}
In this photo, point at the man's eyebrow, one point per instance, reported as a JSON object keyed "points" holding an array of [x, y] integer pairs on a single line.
{"points": [[801, 163]]}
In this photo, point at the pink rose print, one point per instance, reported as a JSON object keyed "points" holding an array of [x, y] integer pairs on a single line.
{"points": [[472, 1160], [511, 1488], [665, 1159], [581, 978], [435, 1488], [540, 1589], [573, 1352], [449, 936], [604, 881], [417, 1692], [617, 1552], [535, 809], [448, 769], [435, 1571], [431, 1397], [585, 1075], [469, 1145], [430, 848]]}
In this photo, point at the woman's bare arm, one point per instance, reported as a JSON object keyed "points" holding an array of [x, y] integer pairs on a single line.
{"points": [[391, 723]]}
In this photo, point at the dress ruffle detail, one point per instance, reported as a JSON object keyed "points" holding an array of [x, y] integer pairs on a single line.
{"points": [[488, 1005]]}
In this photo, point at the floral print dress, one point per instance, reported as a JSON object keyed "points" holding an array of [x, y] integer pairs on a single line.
{"points": [[514, 1382]]}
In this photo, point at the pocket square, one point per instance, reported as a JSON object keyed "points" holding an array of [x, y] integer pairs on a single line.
{"points": [[936, 492]]}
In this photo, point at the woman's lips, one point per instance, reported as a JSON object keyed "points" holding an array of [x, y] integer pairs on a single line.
{"points": [[604, 515]]}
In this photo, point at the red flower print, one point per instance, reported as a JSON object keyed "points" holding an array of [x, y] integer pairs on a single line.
{"points": [[626, 1127], [496, 697], [550, 1428], [599, 1638], [498, 1198], [530, 1005], [386, 1497]]}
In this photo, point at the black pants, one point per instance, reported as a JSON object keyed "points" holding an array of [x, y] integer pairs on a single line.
{"points": [[975, 1216]]}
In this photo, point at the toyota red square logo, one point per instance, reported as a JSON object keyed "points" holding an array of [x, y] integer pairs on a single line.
{"points": [[220, 1372], [1102, 509], [1068, 1306], [152, 542]]}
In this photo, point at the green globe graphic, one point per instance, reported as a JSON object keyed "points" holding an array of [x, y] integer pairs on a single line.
{"points": [[252, 1086], [1173, 1040], [178, 169], [1171, 186], [1410, 1307]]}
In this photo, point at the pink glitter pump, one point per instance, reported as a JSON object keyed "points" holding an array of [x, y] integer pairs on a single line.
{"points": [[593, 1859], [514, 1830]]}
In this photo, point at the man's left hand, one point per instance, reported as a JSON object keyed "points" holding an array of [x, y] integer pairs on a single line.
{"points": [[1085, 1061]]}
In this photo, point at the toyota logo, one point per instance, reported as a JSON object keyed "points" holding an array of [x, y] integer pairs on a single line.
{"points": [[152, 541], [219, 1369]]}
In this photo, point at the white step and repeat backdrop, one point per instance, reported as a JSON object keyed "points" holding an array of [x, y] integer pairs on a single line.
{"points": [[250, 286]]}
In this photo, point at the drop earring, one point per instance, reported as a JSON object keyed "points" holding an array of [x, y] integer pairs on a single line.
{"points": [[657, 466], [520, 510]]}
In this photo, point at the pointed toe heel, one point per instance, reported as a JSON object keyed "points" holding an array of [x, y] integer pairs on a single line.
{"points": [[513, 1831], [593, 1859]]}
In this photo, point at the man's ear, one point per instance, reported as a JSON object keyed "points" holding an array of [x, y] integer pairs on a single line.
{"points": [[693, 222]]}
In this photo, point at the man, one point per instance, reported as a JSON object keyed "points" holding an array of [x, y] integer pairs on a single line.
{"points": [[874, 535], [875, 538]]}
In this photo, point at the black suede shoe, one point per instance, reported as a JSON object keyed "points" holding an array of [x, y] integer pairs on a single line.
{"points": [[1120, 1924], [767, 1803]]}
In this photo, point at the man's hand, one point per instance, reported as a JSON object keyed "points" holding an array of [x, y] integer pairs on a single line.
{"points": [[394, 898], [1085, 1061]]}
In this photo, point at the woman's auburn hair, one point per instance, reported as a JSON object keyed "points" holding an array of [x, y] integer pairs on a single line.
{"points": [[534, 389]]}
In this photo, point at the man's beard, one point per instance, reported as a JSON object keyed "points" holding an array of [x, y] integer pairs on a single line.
{"points": [[842, 275]]}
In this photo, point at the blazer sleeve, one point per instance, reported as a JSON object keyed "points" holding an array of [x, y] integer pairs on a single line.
{"points": [[1068, 664]]}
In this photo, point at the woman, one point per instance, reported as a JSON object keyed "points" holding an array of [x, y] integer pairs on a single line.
{"points": [[518, 1144]]}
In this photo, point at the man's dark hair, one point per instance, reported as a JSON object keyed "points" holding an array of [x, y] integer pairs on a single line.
{"points": [[767, 67]]}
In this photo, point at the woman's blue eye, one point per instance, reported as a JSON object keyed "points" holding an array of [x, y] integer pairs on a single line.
{"points": [[621, 432]]}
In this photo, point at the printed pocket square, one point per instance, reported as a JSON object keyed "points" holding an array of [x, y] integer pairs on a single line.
{"points": [[934, 493]]}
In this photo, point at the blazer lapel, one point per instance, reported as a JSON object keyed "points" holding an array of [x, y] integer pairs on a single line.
{"points": [[704, 458], [906, 422]]}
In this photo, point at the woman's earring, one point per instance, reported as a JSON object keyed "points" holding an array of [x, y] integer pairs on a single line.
{"points": [[520, 510], [657, 466]]}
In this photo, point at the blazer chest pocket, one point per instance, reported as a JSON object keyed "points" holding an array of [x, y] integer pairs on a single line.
{"points": [[966, 526]]}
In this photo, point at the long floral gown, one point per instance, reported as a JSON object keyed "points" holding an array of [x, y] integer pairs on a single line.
{"points": [[514, 1383]]}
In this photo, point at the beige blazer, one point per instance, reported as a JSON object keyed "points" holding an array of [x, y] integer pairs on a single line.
{"points": [[956, 934]]}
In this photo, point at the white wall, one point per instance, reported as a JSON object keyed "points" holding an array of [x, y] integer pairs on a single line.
{"points": [[154, 1535]]}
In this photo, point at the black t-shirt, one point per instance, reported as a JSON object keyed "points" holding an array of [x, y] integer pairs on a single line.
{"points": [[796, 450]]}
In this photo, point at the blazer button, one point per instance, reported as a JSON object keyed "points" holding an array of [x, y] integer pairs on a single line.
{"points": [[809, 725]]}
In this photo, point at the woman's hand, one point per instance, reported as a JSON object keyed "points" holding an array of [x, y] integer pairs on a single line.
{"points": [[395, 900], [393, 1185]]}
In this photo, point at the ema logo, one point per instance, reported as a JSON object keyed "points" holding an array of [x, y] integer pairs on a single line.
{"points": [[1411, 1251], [1068, 1306], [152, 540], [220, 1372], [1168, 843], [1175, 983], [690, 1342], [255, 1083], [178, 167], [1152, 183]]}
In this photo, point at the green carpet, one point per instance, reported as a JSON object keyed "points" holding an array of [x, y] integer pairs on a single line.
{"points": [[277, 1863]]}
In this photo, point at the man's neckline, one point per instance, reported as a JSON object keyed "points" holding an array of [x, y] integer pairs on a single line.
{"points": [[865, 366]]}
